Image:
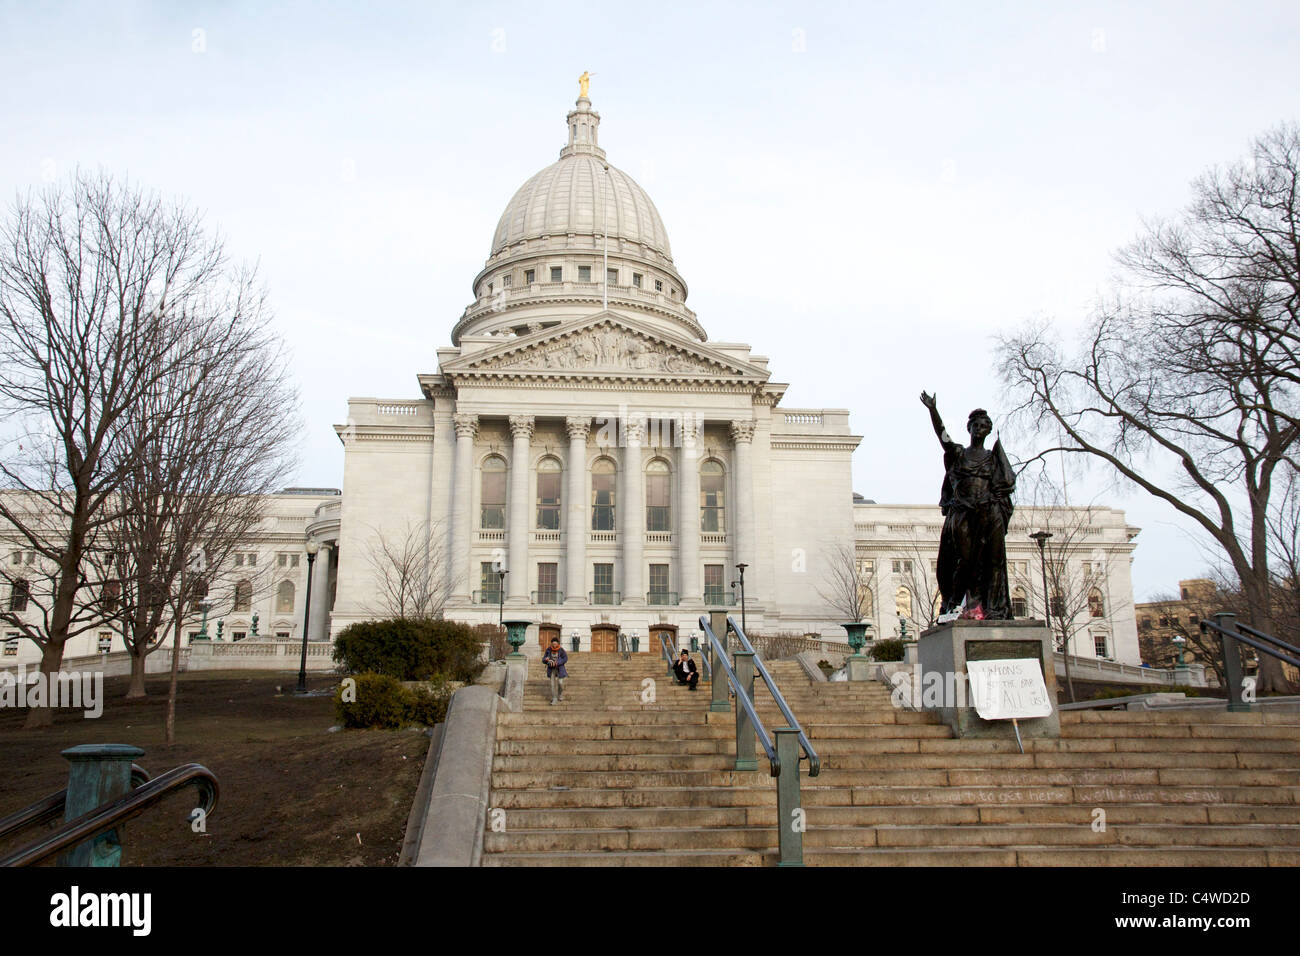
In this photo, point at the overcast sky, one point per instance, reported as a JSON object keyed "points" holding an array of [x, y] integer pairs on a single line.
{"points": [[866, 193]]}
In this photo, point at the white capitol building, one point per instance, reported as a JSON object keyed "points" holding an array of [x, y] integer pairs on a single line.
{"points": [[583, 433]]}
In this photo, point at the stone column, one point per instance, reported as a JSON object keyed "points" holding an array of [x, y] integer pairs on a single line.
{"points": [[521, 427], [576, 522], [463, 498], [633, 508], [320, 595], [688, 515], [742, 436]]}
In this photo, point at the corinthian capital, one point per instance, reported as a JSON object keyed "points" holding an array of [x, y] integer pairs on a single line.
{"points": [[466, 424], [634, 428], [521, 426], [742, 431], [577, 427]]}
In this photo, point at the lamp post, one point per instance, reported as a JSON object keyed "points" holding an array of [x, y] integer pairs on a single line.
{"points": [[205, 606], [312, 548], [744, 626], [1180, 642], [501, 596], [1041, 537]]}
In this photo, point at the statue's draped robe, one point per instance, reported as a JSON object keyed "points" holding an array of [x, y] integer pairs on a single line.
{"points": [[973, 548]]}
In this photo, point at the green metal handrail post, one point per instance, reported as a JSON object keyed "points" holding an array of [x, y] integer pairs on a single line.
{"points": [[745, 758], [789, 813], [99, 774], [719, 701], [1232, 669]]}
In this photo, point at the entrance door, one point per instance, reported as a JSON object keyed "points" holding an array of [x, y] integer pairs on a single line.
{"points": [[669, 636], [545, 632], [604, 638]]}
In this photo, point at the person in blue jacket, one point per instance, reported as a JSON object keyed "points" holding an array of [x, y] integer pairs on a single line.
{"points": [[555, 658]]}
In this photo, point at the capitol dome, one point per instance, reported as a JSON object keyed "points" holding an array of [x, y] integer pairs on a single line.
{"points": [[576, 238]]}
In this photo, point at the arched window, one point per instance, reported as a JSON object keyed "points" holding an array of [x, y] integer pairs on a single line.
{"points": [[712, 497], [1096, 604], [602, 495], [1019, 603], [493, 506], [903, 603], [548, 495], [284, 598], [243, 596], [658, 513]]}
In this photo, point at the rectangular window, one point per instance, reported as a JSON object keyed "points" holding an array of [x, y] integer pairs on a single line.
{"points": [[659, 285], [530, 276], [11, 644], [489, 583], [547, 576], [636, 280], [281, 635], [506, 280], [18, 557], [611, 276], [282, 560], [293, 560], [105, 642], [714, 592], [238, 635], [252, 559], [557, 273], [239, 559], [902, 567], [1099, 644], [658, 584], [19, 594], [602, 582], [584, 273]]}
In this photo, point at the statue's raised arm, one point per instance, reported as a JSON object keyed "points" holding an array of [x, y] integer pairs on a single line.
{"points": [[931, 402]]}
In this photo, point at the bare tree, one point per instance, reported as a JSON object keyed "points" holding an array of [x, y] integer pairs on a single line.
{"points": [[104, 292], [196, 486], [921, 579], [848, 582], [411, 571], [1189, 389]]}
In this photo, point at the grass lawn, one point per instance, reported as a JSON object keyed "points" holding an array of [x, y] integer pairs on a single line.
{"points": [[292, 793]]}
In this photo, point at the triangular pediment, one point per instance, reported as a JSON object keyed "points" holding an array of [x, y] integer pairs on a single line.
{"points": [[602, 347]]}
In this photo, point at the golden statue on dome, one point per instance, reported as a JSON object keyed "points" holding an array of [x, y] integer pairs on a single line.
{"points": [[584, 85]]}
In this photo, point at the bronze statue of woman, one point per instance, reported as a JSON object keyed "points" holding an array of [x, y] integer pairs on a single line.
{"points": [[976, 503]]}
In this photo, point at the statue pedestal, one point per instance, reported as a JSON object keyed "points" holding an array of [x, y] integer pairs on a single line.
{"points": [[942, 653], [858, 667]]}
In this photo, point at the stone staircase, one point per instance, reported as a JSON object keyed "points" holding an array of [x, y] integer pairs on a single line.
{"points": [[609, 777]]}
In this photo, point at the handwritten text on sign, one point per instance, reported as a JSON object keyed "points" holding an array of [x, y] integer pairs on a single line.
{"points": [[1007, 689]]}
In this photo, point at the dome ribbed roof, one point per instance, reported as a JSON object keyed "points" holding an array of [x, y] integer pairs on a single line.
{"points": [[565, 198]]}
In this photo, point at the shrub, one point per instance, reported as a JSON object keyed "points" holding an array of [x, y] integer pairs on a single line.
{"points": [[381, 701], [428, 705], [411, 649], [495, 639], [826, 667], [887, 650]]}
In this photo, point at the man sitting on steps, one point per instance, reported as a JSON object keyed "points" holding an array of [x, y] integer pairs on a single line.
{"points": [[685, 671], [555, 658]]}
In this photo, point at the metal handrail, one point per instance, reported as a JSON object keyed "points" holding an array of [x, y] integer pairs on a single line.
{"points": [[51, 807], [116, 812], [1268, 637], [814, 762], [742, 698], [669, 654], [1238, 636]]}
